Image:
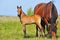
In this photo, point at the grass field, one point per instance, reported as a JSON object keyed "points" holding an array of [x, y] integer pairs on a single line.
{"points": [[11, 29]]}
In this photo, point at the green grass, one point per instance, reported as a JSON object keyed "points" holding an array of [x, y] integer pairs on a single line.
{"points": [[11, 29]]}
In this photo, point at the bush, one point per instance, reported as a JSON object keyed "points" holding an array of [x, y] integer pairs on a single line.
{"points": [[30, 11]]}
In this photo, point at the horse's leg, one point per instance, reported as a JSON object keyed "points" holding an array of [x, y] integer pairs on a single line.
{"points": [[53, 32], [24, 30], [41, 28], [38, 22], [43, 25], [48, 32], [36, 30], [46, 21]]}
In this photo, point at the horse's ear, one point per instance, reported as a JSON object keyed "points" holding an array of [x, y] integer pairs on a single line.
{"points": [[20, 6], [17, 7]]}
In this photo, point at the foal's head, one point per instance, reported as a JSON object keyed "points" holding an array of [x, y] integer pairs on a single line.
{"points": [[19, 10]]}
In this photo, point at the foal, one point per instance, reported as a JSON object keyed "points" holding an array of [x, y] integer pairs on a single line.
{"points": [[24, 19]]}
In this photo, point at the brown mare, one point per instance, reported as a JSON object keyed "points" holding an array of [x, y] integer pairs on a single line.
{"points": [[49, 15], [24, 19]]}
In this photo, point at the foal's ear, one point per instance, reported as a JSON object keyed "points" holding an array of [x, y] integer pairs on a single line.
{"points": [[17, 7], [20, 6]]}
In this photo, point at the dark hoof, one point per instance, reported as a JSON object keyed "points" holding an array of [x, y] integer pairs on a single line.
{"points": [[36, 35], [25, 37]]}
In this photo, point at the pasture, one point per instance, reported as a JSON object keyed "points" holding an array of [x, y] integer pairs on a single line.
{"points": [[11, 29]]}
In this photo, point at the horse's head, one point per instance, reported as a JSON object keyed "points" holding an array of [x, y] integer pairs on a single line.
{"points": [[19, 10], [53, 28]]}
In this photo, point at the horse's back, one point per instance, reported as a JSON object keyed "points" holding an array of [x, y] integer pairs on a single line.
{"points": [[45, 10], [39, 9]]}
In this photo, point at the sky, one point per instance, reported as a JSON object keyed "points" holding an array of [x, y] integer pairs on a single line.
{"points": [[9, 7]]}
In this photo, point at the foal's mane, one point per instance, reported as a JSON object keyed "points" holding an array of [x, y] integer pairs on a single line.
{"points": [[23, 12]]}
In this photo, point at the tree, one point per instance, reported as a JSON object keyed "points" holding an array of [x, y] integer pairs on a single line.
{"points": [[30, 11]]}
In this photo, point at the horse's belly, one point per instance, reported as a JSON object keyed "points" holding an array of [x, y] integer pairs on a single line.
{"points": [[28, 21]]}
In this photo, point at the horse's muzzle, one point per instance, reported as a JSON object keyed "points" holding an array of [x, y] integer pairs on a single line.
{"points": [[18, 15]]}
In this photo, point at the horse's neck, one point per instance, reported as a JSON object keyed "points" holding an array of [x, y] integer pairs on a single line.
{"points": [[23, 14]]}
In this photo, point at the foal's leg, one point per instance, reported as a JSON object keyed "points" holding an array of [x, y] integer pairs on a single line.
{"points": [[24, 30], [40, 27], [38, 22], [36, 30], [43, 25]]}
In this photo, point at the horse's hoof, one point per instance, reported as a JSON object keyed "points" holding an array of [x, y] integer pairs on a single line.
{"points": [[25, 37], [43, 36], [36, 35]]}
